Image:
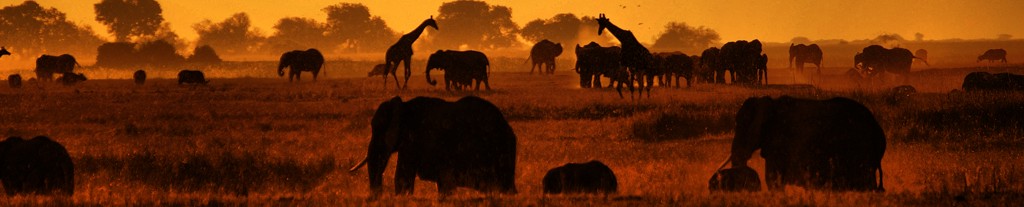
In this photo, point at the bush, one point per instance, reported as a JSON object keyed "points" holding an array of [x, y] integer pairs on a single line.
{"points": [[204, 54], [661, 126]]}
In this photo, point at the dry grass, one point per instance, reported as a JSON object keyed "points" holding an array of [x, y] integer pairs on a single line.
{"points": [[252, 138]]}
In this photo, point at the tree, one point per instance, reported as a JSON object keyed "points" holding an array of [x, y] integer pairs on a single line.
{"points": [[29, 30], [801, 40], [588, 33], [296, 33], [918, 37], [234, 36], [130, 19], [888, 39], [678, 36], [204, 54], [563, 28], [352, 25], [474, 24], [1004, 37]]}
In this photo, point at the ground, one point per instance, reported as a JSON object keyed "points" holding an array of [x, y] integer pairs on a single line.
{"points": [[259, 140]]}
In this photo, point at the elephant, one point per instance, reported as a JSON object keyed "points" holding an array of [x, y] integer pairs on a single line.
{"points": [[875, 59], [674, 65], [14, 81], [140, 77], [69, 79], [805, 54], [761, 66], [467, 143], [739, 58], [710, 65], [461, 68], [590, 177], [36, 166], [984, 81], [47, 65], [742, 178], [297, 61], [834, 144], [3, 51], [379, 69], [192, 77], [544, 53], [594, 61], [993, 55], [922, 54]]}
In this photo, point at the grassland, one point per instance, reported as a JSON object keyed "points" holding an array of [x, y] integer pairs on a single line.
{"points": [[250, 138]]}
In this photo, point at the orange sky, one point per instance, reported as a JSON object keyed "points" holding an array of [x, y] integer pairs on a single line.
{"points": [[776, 21]]}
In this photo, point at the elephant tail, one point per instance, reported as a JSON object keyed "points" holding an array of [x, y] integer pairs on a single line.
{"points": [[881, 177], [430, 81]]}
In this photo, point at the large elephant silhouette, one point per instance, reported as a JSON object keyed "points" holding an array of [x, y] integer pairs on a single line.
{"points": [[674, 65], [467, 143], [543, 54], [740, 58], [710, 65], [993, 55], [297, 61], [984, 81], [461, 68], [36, 166], [833, 144], [589, 177], [801, 54], [594, 61], [47, 65], [875, 59]]}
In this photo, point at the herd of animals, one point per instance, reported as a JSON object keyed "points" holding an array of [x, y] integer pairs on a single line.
{"points": [[833, 144]]}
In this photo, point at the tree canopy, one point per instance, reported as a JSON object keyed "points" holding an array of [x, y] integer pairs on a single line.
{"points": [[130, 19], [678, 36]]}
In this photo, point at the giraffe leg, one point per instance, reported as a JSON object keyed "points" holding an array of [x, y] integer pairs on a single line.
{"points": [[408, 71]]}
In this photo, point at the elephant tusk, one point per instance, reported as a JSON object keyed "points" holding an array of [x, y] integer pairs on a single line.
{"points": [[360, 165], [726, 161]]}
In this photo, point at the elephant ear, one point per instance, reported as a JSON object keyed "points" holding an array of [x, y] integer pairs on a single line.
{"points": [[394, 123]]}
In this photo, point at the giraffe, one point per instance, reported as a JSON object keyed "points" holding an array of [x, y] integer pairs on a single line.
{"points": [[402, 51], [635, 56]]}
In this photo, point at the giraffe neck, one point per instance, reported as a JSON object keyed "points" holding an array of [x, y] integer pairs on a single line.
{"points": [[415, 34], [624, 36]]}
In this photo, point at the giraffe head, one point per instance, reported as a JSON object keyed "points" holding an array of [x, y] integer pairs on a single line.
{"points": [[430, 22], [3, 51], [602, 22]]}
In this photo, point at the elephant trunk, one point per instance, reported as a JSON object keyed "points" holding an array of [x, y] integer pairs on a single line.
{"points": [[280, 68], [429, 80], [376, 161]]}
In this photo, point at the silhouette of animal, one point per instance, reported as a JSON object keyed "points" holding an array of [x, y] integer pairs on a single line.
{"points": [[833, 144], [984, 81], [710, 65], [921, 54], [47, 65], [740, 178], [875, 59], [297, 61], [740, 58], [761, 66], [140, 77], [379, 69], [899, 94], [635, 56], [401, 51], [14, 81], [192, 77], [36, 166], [467, 143], [544, 53], [69, 79], [805, 54], [993, 55], [589, 177], [3, 51], [461, 68], [674, 65], [594, 61]]}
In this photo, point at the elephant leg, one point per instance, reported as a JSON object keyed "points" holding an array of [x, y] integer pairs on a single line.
{"points": [[405, 175], [314, 75], [408, 71], [773, 175], [446, 182]]}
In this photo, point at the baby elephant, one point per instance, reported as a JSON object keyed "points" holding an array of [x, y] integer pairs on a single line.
{"points": [[14, 81], [140, 77], [36, 166], [191, 77], [590, 177], [735, 179], [69, 79], [379, 69]]}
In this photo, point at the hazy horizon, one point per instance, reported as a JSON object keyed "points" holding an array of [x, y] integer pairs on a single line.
{"points": [[770, 22]]}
